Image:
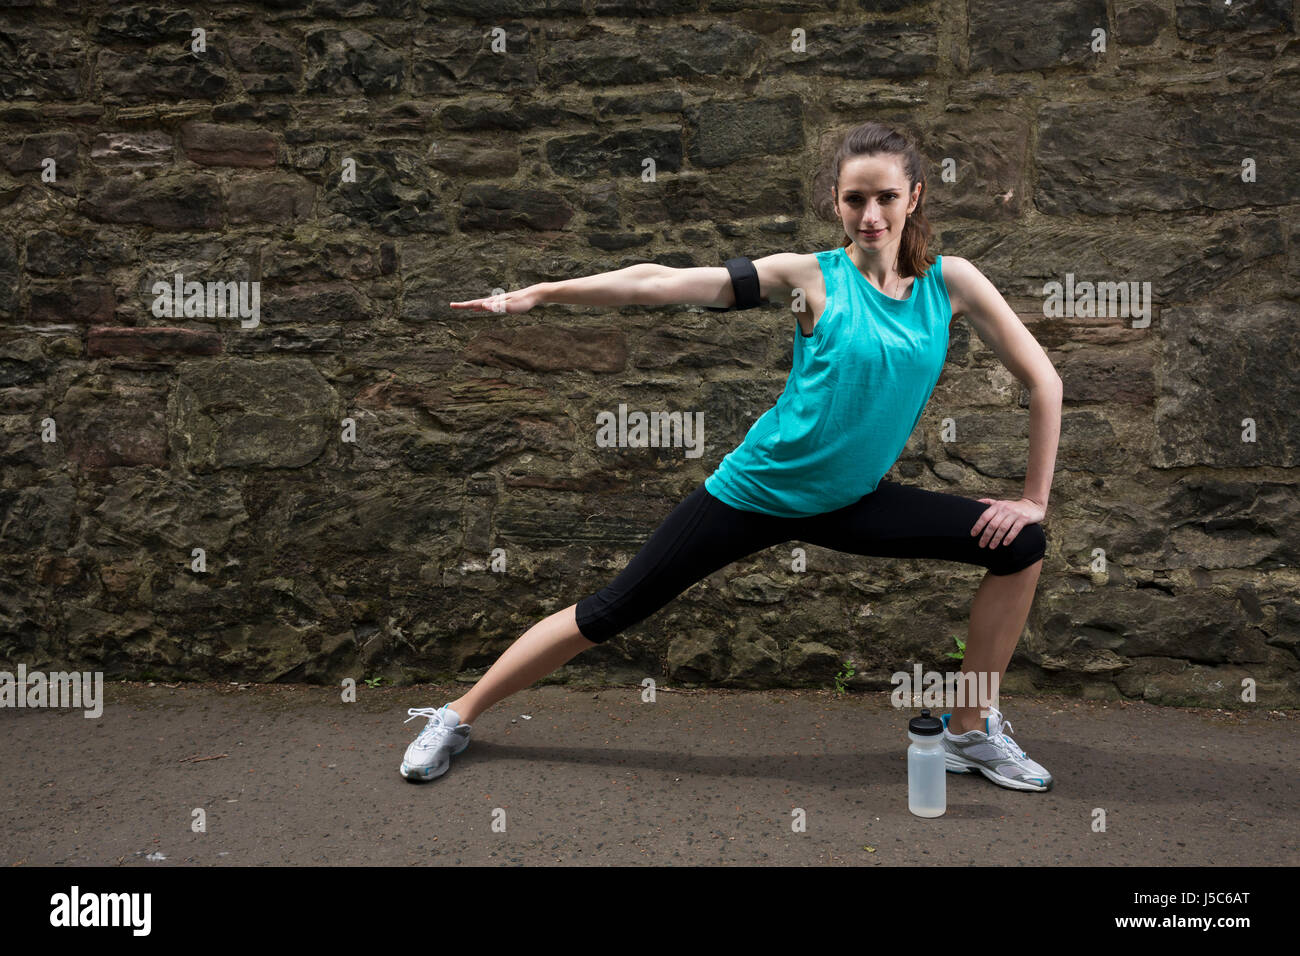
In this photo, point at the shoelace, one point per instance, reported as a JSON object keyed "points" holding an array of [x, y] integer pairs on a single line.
{"points": [[431, 729], [1002, 735]]}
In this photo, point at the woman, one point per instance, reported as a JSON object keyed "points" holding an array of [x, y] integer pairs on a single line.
{"points": [[873, 321]]}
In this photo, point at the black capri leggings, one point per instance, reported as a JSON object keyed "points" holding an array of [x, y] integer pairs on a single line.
{"points": [[703, 534]]}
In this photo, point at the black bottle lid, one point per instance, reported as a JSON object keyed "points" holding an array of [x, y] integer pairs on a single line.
{"points": [[925, 725]]}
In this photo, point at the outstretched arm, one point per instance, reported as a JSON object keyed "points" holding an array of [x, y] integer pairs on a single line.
{"points": [[646, 283]]}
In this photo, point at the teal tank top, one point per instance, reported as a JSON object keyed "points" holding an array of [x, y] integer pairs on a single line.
{"points": [[856, 389]]}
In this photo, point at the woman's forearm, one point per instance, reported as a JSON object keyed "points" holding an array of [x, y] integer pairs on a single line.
{"points": [[621, 287], [1044, 435]]}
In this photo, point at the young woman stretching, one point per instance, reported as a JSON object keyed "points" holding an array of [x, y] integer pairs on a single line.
{"points": [[873, 320]]}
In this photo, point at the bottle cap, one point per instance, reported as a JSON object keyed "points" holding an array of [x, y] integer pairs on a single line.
{"points": [[925, 725]]}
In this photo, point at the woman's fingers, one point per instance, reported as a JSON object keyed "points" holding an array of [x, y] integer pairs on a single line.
{"points": [[996, 521], [512, 303], [1001, 525], [991, 529], [1002, 521], [1008, 528], [985, 521], [493, 303]]}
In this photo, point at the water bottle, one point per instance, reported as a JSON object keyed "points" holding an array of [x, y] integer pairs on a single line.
{"points": [[927, 794]]}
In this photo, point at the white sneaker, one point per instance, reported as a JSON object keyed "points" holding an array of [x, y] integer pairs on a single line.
{"points": [[442, 738], [993, 753]]}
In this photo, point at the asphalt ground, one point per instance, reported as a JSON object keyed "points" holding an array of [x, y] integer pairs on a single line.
{"points": [[291, 775]]}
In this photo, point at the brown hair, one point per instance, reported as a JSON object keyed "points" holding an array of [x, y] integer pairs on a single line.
{"points": [[870, 139]]}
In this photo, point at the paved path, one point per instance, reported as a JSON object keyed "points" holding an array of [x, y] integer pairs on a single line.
{"points": [[698, 777]]}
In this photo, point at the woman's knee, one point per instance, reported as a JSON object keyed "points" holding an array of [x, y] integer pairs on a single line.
{"points": [[594, 621], [1028, 547]]}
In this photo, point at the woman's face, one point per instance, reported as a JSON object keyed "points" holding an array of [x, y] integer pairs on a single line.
{"points": [[872, 197]]}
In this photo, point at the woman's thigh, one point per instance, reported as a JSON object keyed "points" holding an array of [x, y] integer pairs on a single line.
{"points": [[699, 536], [904, 521]]}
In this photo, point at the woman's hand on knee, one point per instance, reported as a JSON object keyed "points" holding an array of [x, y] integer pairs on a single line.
{"points": [[1003, 519]]}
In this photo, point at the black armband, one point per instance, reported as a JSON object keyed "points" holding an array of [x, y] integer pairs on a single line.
{"points": [[744, 282]]}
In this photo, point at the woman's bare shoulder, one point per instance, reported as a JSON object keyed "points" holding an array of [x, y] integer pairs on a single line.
{"points": [[957, 274], [783, 272]]}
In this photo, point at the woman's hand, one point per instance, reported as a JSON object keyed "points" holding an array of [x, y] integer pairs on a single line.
{"points": [[1002, 520], [511, 303]]}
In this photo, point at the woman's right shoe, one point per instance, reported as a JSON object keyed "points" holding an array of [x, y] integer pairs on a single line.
{"points": [[442, 738]]}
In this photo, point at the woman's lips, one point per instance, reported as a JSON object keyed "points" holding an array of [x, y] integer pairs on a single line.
{"points": [[871, 235]]}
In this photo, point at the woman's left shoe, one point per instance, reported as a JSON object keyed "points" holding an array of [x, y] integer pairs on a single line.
{"points": [[993, 754]]}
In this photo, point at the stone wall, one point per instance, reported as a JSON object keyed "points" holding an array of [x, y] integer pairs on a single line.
{"points": [[343, 477]]}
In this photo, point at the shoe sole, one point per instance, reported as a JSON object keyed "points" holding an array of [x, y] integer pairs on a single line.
{"points": [[420, 775], [954, 765]]}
